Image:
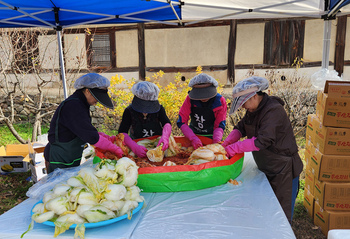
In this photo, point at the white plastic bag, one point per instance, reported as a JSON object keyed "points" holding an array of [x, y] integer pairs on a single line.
{"points": [[59, 175], [318, 79]]}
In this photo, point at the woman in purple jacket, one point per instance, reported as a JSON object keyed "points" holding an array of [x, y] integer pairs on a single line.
{"points": [[270, 138]]}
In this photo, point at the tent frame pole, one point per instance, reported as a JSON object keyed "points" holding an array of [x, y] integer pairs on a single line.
{"points": [[63, 72], [335, 8], [326, 43]]}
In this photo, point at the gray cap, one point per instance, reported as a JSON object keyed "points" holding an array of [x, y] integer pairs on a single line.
{"points": [[146, 97], [203, 87], [97, 86], [255, 83], [246, 89], [91, 80], [145, 90], [203, 79]]}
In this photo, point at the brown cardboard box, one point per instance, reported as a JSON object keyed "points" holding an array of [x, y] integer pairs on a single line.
{"points": [[36, 152], [328, 220], [329, 140], [328, 168], [11, 158], [309, 180], [310, 127], [37, 162], [332, 196], [309, 203], [333, 104], [15, 158], [338, 89]]}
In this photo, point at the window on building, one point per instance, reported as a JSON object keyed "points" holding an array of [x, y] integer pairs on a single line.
{"points": [[101, 50], [25, 51], [284, 42]]}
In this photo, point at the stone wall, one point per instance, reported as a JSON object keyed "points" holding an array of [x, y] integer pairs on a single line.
{"points": [[25, 113]]}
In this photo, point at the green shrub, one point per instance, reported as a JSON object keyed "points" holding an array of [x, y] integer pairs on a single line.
{"points": [[171, 97]]}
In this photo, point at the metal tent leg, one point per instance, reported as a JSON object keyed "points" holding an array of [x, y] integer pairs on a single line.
{"points": [[326, 43], [63, 73]]}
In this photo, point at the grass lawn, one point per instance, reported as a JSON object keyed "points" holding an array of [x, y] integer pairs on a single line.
{"points": [[24, 130]]}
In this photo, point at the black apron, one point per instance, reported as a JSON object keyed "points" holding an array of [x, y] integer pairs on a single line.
{"points": [[143, 127], [202, 120], [278, 169], [65, 154]]}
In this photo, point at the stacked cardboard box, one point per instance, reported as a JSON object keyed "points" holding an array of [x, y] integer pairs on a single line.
{"points": [[327, 155], [37, 162]]}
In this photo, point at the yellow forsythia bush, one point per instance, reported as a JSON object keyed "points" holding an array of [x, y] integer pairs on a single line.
{"points": [[170, 96]]}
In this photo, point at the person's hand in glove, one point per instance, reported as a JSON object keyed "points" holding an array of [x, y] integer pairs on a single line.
{"points": [[195, 141], [233, 137], [165, 136], [105, 144], [217, 135], [246, 145], [110, 138], [139, 150]]}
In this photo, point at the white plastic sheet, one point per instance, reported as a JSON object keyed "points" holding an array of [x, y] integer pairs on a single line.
{"points": [[339, 234], [249, 210], [249, 9], [319, 78]]}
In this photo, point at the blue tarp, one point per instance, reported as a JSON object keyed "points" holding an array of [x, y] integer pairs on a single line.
{"points": [[65, 13], [333, 4]]}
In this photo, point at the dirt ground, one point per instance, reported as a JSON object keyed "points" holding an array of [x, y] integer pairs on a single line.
{"points": [[303, 225], [13, 188]]}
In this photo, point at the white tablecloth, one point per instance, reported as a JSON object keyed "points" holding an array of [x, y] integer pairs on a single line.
{"points": [[249, 210]]}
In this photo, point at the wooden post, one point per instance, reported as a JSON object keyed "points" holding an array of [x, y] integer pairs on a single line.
{"points": [[231, 52], [340, 45], [142, 55], [113, 53]]}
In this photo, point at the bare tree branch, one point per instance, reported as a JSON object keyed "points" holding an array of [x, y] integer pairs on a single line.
{"points": [[30, 56], [11, 128]]}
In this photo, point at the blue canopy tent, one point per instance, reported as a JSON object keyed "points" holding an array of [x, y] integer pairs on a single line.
{"points": [[336, 5], [333, 8], [60, 14]]}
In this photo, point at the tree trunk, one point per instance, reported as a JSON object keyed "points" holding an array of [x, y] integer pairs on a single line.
{"points": [[14, 132], [37, 119]]}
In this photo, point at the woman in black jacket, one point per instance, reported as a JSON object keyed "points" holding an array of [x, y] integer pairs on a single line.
{"points": [[145, 117], [71, 128]]}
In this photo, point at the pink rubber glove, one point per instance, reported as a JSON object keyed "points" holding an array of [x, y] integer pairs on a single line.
{"points": [[246, 145], [139, 150], [233, 137], [195, 141], [104, 144], [110, 138], [165, 136], [217, 135]]}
